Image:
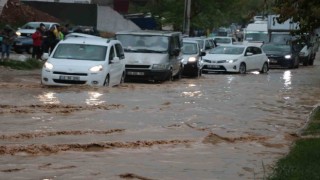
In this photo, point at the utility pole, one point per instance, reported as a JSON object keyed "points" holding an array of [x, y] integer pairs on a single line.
{"points": [[186, 19]]}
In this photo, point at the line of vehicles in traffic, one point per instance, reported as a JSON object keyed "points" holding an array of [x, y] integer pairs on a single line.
{"points": [[158, 56]]}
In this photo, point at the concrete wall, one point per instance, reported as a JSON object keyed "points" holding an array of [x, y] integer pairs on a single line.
{"points": [[111, 21]]}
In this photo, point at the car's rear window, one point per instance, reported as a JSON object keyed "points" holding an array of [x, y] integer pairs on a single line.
{"points": [[81, 52]]}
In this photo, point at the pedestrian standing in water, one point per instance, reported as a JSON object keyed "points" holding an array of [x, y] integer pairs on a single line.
{"points": [[37, 44], [8, 35]]}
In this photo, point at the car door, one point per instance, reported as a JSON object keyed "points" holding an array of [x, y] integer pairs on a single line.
{"points": [[175, 59], [121, 64], [258, 58], [112, 66], [249, 58]]}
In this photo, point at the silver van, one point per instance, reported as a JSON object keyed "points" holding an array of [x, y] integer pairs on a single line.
{"points": [[152, 55]]}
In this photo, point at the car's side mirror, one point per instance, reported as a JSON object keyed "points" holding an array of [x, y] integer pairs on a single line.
{"points": [[203, 53], [115, 60], [45, 56], [175, 52], [249, 54]]}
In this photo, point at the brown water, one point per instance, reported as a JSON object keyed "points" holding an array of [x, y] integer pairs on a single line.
{"points": [[220, 126]]}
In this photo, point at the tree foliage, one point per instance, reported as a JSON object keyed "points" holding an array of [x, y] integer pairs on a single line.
{"points": [[206, 14], [304, 12]]}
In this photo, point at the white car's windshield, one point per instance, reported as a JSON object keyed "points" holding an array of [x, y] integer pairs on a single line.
{"points": [[189, 48], [227, 50], [144, 43], [81, 52]]}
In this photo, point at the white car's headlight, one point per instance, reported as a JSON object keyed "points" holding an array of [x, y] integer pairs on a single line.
{"points": [[288, 56], [18, 33], [48, 65], [96, 68], [159, 66], [232, 60], [192, 59]]}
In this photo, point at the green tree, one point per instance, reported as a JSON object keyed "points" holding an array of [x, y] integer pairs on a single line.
{"points": [[304, 12], [204, 13]]}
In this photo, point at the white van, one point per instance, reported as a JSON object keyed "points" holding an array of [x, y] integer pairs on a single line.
{"points": [[152, 55]]}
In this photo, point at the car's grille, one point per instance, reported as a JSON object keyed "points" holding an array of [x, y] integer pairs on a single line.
{"points": [[138, 66], [68, 81], [26, 34], [218, 68], [65, 73]]}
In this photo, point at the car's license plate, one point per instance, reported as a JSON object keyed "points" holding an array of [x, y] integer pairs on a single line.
{"points": [[18, 44], [71, 78], [273, 61], [213, 66], [135, 73]]}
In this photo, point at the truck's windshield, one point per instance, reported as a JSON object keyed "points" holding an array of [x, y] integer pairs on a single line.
{"points": [[144, 43]]}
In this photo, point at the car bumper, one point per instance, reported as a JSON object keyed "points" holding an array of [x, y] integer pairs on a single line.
{"points": [[274, 63], [191, 68], [66, 79], [223, 67], [158, 75]]}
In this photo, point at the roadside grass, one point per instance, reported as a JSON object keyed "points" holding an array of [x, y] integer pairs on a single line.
{"points": [[29, 64], [302, 162]]}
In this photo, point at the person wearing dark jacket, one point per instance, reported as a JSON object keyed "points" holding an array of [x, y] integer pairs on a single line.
{"points": [[8, 35], [49, 40]]}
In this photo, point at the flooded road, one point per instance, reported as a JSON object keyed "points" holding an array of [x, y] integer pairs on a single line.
{"points": [[220, 126]]}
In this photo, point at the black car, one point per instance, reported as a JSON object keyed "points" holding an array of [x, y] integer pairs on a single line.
{"points": [[281, 55], [23, 44]]}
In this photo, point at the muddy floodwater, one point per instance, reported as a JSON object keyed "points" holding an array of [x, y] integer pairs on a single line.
{"points": [[220, 126]]}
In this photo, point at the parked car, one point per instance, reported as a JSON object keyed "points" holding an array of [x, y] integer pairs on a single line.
{"points": [[192, 58], [152, 55], [85, 30], [224, 40], [89, 61], [29, 28], [23, 44], [206, 44], [281, 55], [235, 58], [307, 53]]}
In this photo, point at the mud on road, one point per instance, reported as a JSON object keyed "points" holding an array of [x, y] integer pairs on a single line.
{"points": [[219, 126]]}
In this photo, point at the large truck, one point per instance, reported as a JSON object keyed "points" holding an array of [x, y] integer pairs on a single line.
{"points": [[280, 32]]}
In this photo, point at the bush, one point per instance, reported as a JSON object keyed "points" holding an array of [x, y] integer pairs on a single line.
{"points": [[29, 64]]}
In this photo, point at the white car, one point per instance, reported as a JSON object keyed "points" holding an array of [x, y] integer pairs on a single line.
{"points": [[235, 58], [29, 28], [83, 60]]}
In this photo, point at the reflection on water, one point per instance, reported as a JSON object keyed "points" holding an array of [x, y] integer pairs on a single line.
{"points": [[287, 79], [49, 98], [90, 98], [94, 98]]}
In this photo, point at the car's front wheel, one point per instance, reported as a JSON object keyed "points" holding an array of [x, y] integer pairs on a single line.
{"points": [[122, 78], [242, 68], [264, 68], [107, 81]]}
